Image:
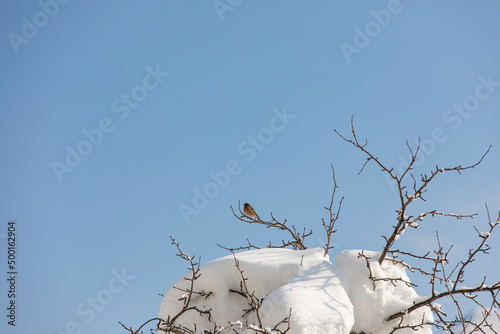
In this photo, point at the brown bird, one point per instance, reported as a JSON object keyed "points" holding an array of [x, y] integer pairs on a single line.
{"points": [[250, 212]]}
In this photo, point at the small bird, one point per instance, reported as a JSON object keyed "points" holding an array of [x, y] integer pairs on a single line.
{"points": [[250, 212]]}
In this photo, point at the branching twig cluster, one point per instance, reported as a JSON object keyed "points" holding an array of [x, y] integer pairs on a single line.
{"points": [[423, 324], [406, 198], [409, 190], [452, 288], [255, 304], [296, 241], [169, 325], [374, 279], [297, 238], [334, 216], [172, 325]]}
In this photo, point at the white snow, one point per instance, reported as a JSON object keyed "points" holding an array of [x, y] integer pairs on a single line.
{"points": [[437, 307], [372, 306], [484, 235], [412, 197], [415, 225], [323, 298]]}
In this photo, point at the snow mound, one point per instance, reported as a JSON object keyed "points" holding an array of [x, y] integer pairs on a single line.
{"points": [[303, 281], [373, 305], [323, 298]]}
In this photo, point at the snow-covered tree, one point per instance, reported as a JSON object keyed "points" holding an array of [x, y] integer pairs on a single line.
{"points": [[289, 288]]}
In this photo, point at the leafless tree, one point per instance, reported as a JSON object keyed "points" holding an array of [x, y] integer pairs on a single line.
{"points": [[446, 277], [171, 325], [405, 198], [410, 188]]}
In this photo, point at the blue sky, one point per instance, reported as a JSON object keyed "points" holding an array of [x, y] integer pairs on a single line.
{"points": [[170, 92]]}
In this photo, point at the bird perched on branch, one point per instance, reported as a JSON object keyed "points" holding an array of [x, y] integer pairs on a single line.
{"points": [[250, 212]]}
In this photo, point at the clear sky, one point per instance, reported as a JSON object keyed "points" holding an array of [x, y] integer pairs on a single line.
{"points": [[114, 114]]}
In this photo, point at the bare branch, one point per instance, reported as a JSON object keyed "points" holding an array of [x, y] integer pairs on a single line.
{"points": [[403, 221], [387, 279], [253, 301], [249, 247], [195, 274], [168, 325], [132, 331], [297, 242], [452, 285], [333, 216], [356, 143], [430, 299]]}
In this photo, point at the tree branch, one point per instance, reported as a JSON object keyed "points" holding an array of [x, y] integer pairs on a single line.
{"points": [[333, 216], [403, 221], [452, 287], [297, 242]]}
